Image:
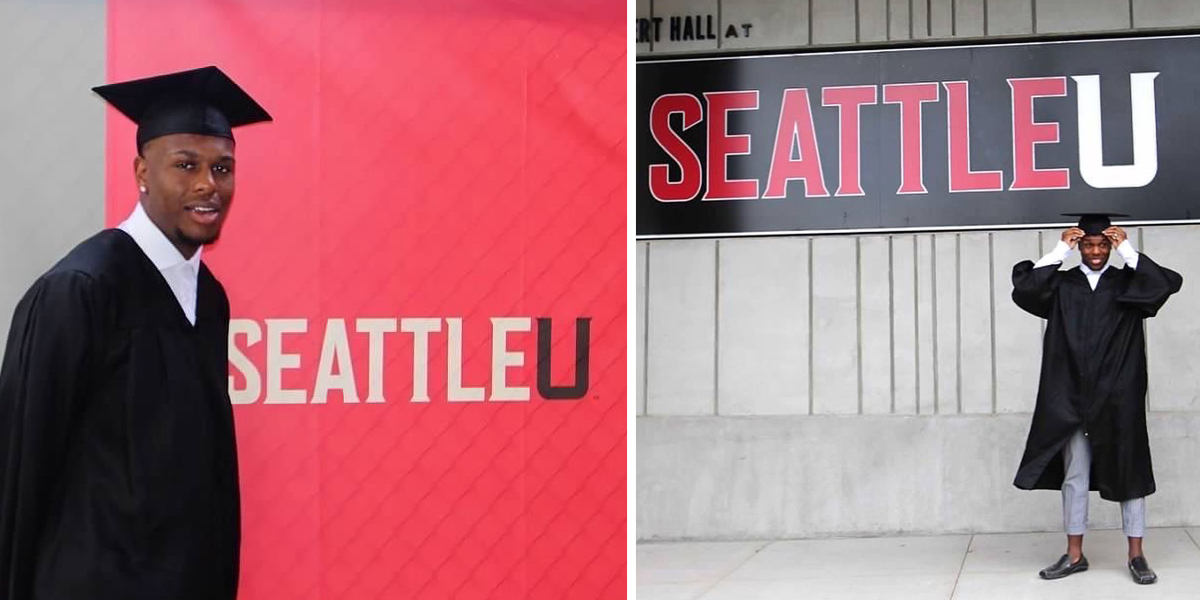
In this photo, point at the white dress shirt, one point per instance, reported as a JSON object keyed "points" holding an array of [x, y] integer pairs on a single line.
{"points": [[1060, 252], [179, 272]]}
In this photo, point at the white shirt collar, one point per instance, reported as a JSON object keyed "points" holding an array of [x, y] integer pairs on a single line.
{"points": [[1093, 277], [154, 243]]}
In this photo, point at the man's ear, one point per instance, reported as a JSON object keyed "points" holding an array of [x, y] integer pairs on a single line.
{"points": [[139, 170]]}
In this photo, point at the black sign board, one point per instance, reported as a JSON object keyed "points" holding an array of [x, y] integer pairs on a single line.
{"points": [[961, 137]]}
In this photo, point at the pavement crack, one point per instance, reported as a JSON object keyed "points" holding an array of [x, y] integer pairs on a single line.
{"points": [[962, 564]]}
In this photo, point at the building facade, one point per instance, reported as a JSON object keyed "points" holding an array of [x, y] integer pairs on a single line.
{"points": [[863, 384]]}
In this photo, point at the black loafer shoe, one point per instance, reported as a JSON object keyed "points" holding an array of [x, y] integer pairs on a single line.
{"points": [[1141, 571], [1063, 567]]}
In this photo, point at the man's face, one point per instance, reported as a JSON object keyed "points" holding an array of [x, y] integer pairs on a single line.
{"points": [[189, 186], [1094, 249]]}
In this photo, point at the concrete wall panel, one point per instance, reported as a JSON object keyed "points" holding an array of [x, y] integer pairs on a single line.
{"points": [[904, 321], [1009, 17], [875, 316], [941, 18], [1171, 337], [872, 20], [681, 328], [763, 327], [926, 328], [900, 21], [1018, 334], [975, 323], [1165, 13], [1072, 16], [835, 326], [946, 308], [968, 18], [833, 22], [641, 277], [920, 20], [706, 478]]}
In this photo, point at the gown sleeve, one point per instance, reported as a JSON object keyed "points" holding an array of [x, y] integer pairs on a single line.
{"points": [[1034, 288], [1150, 286], [42, 379]]}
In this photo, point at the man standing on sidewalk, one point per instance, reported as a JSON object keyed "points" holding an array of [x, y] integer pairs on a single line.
{"points": [[1089, 425]]}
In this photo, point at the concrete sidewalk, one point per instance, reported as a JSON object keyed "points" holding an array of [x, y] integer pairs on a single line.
{"points": [[962, 567]]}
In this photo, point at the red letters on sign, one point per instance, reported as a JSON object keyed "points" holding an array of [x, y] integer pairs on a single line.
{"points": [[795, 130], [848, 99], [722, 145], [910, 96], [1027, 133], [688, 185], [795, 156], [958, 137]]}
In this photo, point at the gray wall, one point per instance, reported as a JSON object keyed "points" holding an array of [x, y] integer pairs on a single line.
{"points": [[806, 386], [792, 23], [52, 155]]}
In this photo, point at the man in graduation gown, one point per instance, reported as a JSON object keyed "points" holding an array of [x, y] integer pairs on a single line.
{"points": [[1089, 424], [118, 469]]}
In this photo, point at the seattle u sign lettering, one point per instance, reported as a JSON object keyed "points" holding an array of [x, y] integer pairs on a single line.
{"points": [[951, 137]]}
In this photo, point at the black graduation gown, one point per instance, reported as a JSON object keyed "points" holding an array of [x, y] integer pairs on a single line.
{"points": [[1093, 372], [118, 470]]}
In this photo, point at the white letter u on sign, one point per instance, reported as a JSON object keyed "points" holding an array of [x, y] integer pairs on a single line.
{"points": [[1145, 136]]}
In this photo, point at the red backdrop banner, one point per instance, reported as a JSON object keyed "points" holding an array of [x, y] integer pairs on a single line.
{"points": [[434, 222]]}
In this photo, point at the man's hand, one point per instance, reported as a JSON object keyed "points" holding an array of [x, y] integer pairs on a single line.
{"points": [[1073, 235], [1116, 234]]}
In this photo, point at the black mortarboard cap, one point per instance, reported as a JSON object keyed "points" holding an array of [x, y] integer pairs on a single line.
{"points": [[1094, 223], [204, 101]]}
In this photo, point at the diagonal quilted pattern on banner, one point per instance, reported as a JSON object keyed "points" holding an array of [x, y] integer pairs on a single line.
{"points": [[438, 207]]}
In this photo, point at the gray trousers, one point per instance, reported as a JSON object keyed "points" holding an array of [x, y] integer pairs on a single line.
{"points": [[1077, 459]]}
